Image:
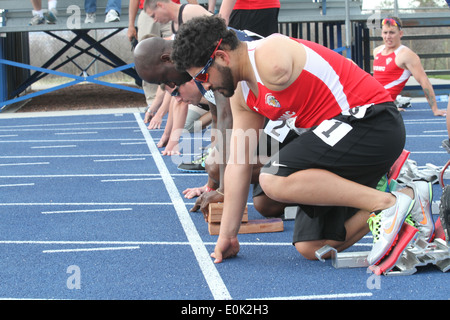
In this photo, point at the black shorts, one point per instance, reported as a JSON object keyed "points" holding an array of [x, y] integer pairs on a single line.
{"points": [[262, 21], [361, 150]]}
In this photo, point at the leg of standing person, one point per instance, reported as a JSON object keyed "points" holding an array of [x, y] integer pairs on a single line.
{"points": [[446, 142], [39, 16], [37, 12], [90, 7], [112, 11]]}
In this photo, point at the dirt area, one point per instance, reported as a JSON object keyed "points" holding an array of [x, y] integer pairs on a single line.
{"points": [[84, 97]]}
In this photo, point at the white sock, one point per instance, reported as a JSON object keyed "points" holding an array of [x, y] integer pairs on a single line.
{"points": [[40, 13], [52, 4]]}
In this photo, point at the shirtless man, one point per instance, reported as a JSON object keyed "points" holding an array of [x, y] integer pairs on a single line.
{"points": [[394, 63], [341, 151]]}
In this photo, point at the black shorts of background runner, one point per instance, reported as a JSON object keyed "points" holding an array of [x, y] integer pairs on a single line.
{"points": [[363, 155], [262, 21]]}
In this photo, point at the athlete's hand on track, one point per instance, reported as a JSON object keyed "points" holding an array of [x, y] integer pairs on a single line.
{"points": [[225, 248]]}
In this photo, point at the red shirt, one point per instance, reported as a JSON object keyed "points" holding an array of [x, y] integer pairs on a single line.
{"points": [[391, 76], [256, 4], [328, 85], [141, 3]]}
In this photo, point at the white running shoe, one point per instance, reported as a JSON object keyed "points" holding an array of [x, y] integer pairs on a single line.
{"points": [[386, 225], [50, 16], [421, 213], [90, 17], [112, 16], [37, 19]]}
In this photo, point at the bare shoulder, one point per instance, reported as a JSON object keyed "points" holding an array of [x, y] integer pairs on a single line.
{"points": [[406, 56], [194, 10], [277, 57], [377, 49]]}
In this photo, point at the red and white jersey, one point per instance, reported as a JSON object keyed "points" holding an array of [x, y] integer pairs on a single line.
{"points": [[391, 76], [328, 85], [256, 4]]}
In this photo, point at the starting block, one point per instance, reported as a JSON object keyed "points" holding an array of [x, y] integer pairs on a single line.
{"points": [[408, 253], [405, 257], [247, 226]]}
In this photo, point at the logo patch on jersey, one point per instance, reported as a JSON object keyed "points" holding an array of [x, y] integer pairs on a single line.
{"points": [[271, 101], [388, 60]]}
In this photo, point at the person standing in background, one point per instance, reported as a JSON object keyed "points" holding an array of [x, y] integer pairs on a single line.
{"points": [[258, 16], [112, 11], [39, 16], [394, 63]]}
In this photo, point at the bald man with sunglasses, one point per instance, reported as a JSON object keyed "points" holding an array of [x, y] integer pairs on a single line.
{"points": [[394, 63], [153, 64]]}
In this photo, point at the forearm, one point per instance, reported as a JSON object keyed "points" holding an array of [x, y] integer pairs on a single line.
{"points": [[237, 183], [224, 124], [225, 9], [429, 94], [132, 12]]}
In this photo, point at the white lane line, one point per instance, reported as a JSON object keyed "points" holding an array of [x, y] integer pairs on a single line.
{"points": [[131, 143], [102, 175], [210, 272], [87, 210], [71, 129], [17, 185], [73, 133], [63, 124], [71, 140], [50, 147], [87, 204], [23, 164], [76, 156], [426, 135], [113, 160], [90, 249], [134, 243], [126, 180], [321, 296]]}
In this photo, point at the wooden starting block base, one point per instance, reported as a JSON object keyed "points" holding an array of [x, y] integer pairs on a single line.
{"points": [[247, 226], [215, 213]]}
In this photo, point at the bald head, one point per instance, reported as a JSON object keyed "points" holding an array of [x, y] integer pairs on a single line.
{"points": [[153, 64]]}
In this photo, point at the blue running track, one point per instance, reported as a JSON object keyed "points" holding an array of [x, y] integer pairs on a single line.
{"points": [[90, 210]]}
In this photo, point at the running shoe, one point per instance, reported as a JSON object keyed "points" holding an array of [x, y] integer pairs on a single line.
{"points": [[197, 165], [386, 225], [36, 20], [112, 16], [90, 17], [50, 16], [444, 212], [446, 145], [421, 214]]}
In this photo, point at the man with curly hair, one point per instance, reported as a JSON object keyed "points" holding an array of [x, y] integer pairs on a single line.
{"points": [[334, 164]]}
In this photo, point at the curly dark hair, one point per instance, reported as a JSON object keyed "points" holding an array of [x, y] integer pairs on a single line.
{"points": [[197, 38]]}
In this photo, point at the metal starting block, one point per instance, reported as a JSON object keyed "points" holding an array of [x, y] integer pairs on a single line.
{"points": [[420, 253]]}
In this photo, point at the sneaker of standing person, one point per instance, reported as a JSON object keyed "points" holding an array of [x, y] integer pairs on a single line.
{"points": [[386, 225], [50, 16], [36, 20], [90, 17], [112, 16]]}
